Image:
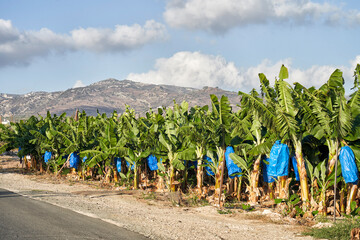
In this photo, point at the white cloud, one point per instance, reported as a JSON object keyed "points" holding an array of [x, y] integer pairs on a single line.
{"points": [[18, 48], [194, 69], [313, 76], [78, 84], [220, 16], [123, 37], [7, 32]]}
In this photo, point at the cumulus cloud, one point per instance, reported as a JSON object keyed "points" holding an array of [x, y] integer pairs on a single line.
{"points": [[121, 38], [220, 16], [194, 69], [7, 32], [19, 48], [78, 84]]}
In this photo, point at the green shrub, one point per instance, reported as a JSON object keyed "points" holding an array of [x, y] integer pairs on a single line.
{"points": [[340, 230]]}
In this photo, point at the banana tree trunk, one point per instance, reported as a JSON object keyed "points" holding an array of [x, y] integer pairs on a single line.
{"points": [[136, 176], [41, 167], [146, 175], [185, 180], [48, 168], [352, 196], [26, 162], [331, 163], [200, 170], [332, 155], [172, 179], [303, 176], [283, 188], [219, 176], [254, 190], [199, 176], [160, 186], [342, 200], [230, 186], [238, 187], [172, 156], [271, 191], [335, 181], [82, 172], [33, 162], [107, 174], [116, 179], [322, 204]]}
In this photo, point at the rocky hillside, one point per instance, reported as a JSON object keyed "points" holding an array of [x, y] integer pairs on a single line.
{"points": [[107, 96]]}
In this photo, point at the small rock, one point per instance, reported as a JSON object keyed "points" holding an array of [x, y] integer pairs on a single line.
{"points": [[322, 225]]}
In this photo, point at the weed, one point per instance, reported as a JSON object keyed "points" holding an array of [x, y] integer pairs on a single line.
{"points": [[322, 218], [340, 230], [195, 201], [354, 210], [225, 211], [150, 196], [247, 207], [292, 205]]}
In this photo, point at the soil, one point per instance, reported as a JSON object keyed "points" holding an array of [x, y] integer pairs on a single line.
{"points": [[155, 215]]}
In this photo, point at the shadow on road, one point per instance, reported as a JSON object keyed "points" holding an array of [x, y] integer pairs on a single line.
{"points": [[7, 194]]}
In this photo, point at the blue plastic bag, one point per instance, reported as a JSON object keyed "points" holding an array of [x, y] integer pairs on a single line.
{"points": [[208, 170], [47, 156], [279, 160], [84, 159], [19, 151], [296, 170], [267, 178], [117, 161], [128, 165], [74, 160], [152, 162], [348, 165], [233, 169]]}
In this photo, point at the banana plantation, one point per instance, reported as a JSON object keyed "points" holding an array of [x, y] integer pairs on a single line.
{"points": [[287, 143]]}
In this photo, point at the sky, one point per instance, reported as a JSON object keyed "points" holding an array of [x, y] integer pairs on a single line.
{"points": [[53, 45]]}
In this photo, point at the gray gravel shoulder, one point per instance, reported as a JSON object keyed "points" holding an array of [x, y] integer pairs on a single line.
{"points": [[152, 219]]}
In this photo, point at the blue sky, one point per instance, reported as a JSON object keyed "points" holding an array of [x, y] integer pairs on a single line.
{"points": [[55, 45]]}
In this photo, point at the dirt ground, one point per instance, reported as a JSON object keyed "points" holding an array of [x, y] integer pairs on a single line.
{"points": [[156, 216]]}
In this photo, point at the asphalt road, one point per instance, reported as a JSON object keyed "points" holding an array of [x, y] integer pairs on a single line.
{"points": [[25, 218]]}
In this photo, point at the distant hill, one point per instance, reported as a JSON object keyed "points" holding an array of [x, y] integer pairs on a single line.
{"points": [[107, 96]]}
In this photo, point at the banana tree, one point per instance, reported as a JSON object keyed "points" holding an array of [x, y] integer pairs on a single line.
{"points": [[281, 114], [200, 136], [255, 137], [154, 125], [220, 119], [53, 144], [43, 139], [138, 142], [40, 141], [7, 138], [175, 139], [23, 137], [110, 143], [76, 136], [290, 124], [320, 179], [333, 113]]}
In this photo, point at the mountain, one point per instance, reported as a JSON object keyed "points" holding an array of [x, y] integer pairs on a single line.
{"points": [[106, 96]]}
